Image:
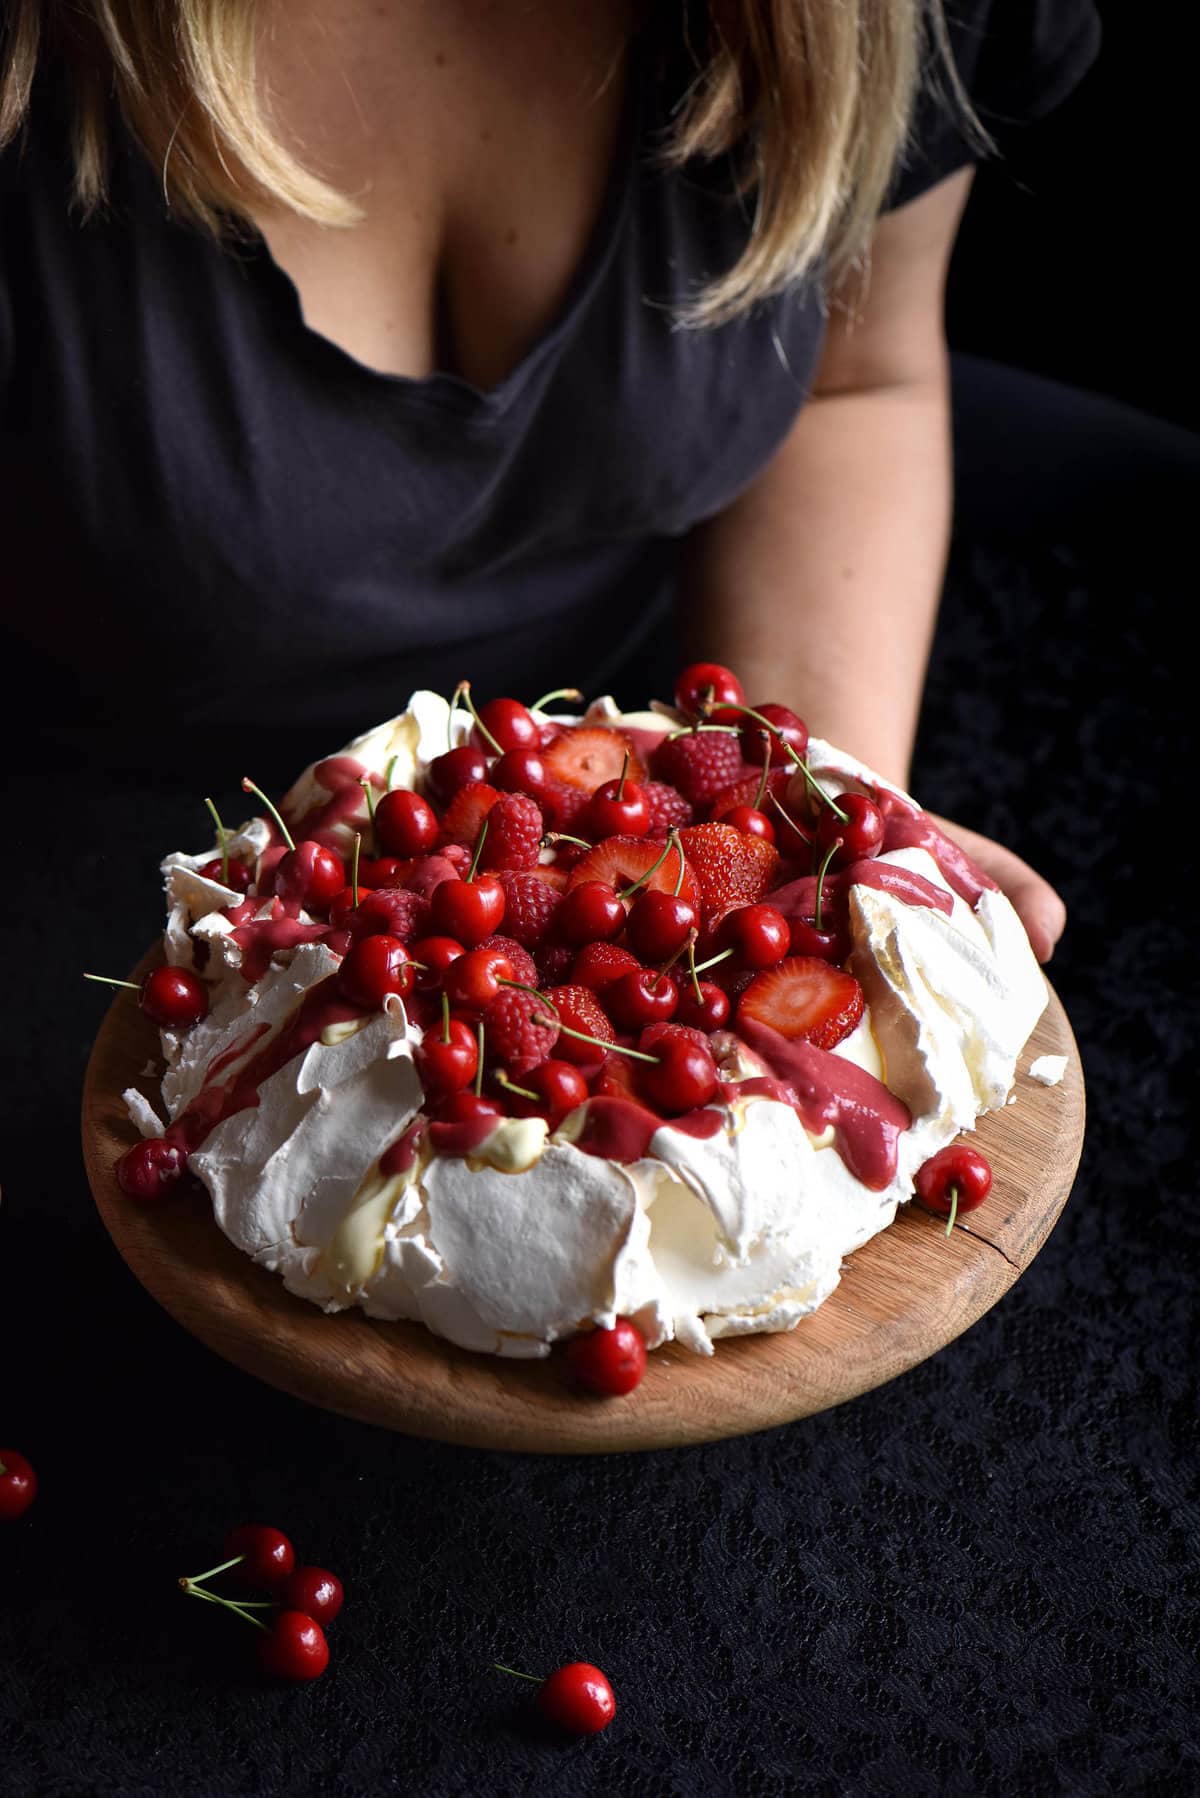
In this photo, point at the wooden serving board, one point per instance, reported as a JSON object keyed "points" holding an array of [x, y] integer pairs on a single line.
{"points": [[902, 1296]]}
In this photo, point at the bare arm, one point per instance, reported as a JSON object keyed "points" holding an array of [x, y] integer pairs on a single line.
{"points": [[820, 585]]}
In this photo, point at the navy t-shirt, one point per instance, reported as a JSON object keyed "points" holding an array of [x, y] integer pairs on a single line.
{"points": [[211, 515]]}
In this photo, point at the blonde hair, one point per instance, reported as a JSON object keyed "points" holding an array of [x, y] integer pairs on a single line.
{"points": [[811, 99]]}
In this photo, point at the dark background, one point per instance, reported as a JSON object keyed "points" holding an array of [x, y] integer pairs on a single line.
{"points": [[980, 1579]]}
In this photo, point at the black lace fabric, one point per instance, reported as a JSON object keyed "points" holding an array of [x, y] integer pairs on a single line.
{"points": [[979, 1579]]}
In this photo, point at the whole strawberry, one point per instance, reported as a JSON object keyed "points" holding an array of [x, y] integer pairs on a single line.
{"points": [[698, 764], [579, 1009]]}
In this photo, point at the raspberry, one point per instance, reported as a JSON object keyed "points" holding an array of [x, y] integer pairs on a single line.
{"points": [[512, 1037], [597, 965], [554, 962], [565, 803], [580, 1009], [745, 792], [390, 911], [514, 833], [667, 806], [587, 755], [523, 965], [699, 763], [529, 905]]}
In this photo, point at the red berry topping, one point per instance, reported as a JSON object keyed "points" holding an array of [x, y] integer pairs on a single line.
{"points": [[746, 792], [684, 1075], [18, 1485], [804, 997], [641, 997], [530, 905], [860, 832], [553, 964], [447, 773], [597, 965], [267, 1556], [559, 1087], [468, 909], [955, 1179], [619, 861], [388, 911], [578, 1698], [508, 723], [520, 1030], [586, 756], [618, 808], [239, 877], [750, 821], [374, 968], [379, 871], [435, 953], [709, 1012], [314, 1591], [148, 1170], [667, 806], [464, 816], [830, 943], [474, 979], [174, 997], [704, 687], [309, 876], [447, 1066], [589, 913], [514, 837], [610, 1362], [520, 771], [699, 763], [461, 1107], [787, 731], [580, 1010], [758, 935], [732, 869], [659, 924], [294, 1648], [405, 824], [524, 968]]}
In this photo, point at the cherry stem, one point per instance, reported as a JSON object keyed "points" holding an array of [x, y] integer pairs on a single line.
{"points": [[197, 1579], [672, 842], [221, 835], [465, 688], [583, 1037], [479, 1063], [388, 772], [107, 980], [537, 1680], [788, 819], [624, 772], [478, 851], [228, 1604], [368, 788], [713, 960], [688, 943], [510, 1086], [691, 949], [953, 1209], [454, 699], [821, 873], [248, 786], [539, 705], [810, 778], [560, 836], [354, 869], [762, 779], [445, 1018]]}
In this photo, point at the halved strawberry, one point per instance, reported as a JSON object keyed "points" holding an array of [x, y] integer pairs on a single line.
{"points": [[463, 817], [589, 755], [621, 860], [732, 868], [804, 997]]}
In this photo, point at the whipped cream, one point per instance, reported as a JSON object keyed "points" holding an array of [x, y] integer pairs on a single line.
{"points": [[528, 1238]]}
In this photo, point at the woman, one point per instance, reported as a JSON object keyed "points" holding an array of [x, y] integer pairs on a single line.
{"points": [[387, 344]]}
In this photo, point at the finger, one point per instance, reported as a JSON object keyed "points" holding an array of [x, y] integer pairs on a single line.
{"points": [[1035, 901]]}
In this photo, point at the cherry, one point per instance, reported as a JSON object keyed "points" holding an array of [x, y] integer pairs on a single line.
{"points": [[508, 724], [660, 924], [787, 731], [405, 824], [460, 1107], [708, 1012], [435, 954], [18, 1485], [617, 808], [610, 1362], [750, 821], [683, 1075], [468, 910], [374, 968], [150, 1168], [266, 1555], [640, 997], [380, 871], [174, 997], [860, 831], [955, 1179], [589, 913], [829, 942], [314, 1591], [758, 935], [294, 1647], [447, 773], [473, 980], [552, 1089], [447, 1062], [239, 876], [704, 688], [310, 876], [520, 771]]}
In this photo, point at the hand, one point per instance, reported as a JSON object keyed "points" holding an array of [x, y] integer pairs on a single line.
{"points": [[1035, 901]]}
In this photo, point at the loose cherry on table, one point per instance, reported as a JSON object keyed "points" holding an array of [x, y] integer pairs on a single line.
{"points": [[261, 1556], [577, 1697], [18, 1485], [314, 1591], [149, 1169], [956, 1179], [855, 836], [405, 824], [704, 688], [294, 1648], [608, 1362], [590, 913], [374, 968], [659, 924]]}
